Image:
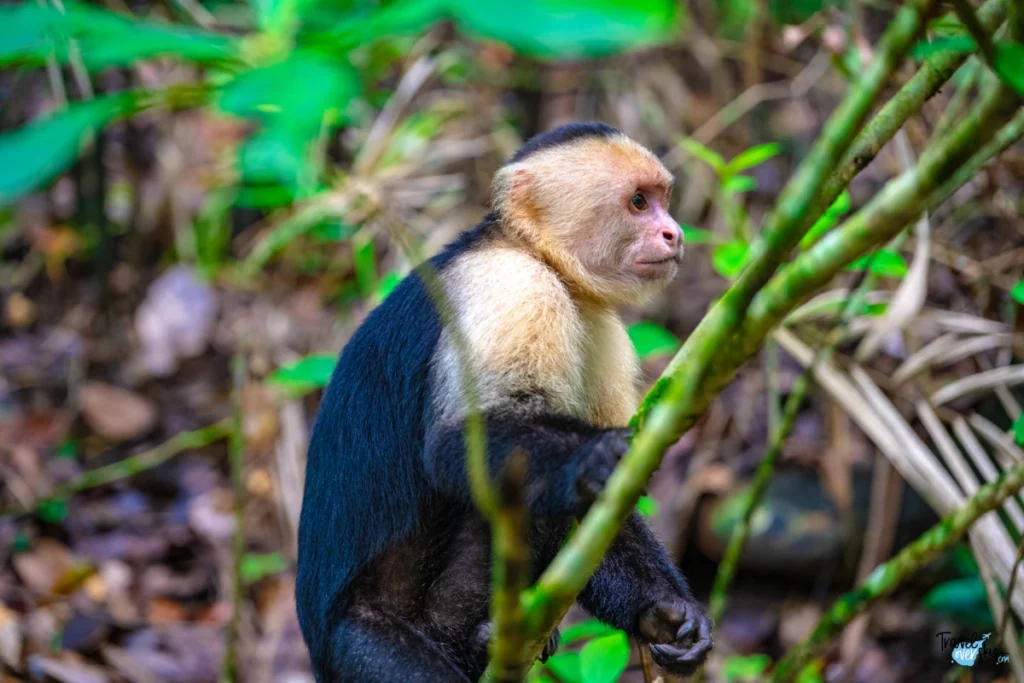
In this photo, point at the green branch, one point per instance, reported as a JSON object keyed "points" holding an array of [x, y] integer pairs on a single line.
{"points": [[900, 203], [132, 465], [766, 468], [511, 573], [891, 575], [820, 178]]}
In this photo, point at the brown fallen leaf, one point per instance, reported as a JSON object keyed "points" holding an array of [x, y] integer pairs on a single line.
{"points": [[116, 414], [42, 567]]}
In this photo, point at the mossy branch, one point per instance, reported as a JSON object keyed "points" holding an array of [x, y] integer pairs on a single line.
{"points": [[892, 574], [511, 572], [766, 468]]}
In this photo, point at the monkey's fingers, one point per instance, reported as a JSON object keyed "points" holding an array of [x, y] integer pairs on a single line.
{"points": [[683, 659]]}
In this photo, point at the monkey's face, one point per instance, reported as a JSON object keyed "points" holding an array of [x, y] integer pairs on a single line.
{"points": [[654, 241], [598, 210]]}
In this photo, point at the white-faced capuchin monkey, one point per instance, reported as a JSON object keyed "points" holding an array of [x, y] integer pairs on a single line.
{"points": [[394, 559]]}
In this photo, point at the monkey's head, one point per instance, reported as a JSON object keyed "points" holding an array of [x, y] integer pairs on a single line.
{"points": [[594, 204]]}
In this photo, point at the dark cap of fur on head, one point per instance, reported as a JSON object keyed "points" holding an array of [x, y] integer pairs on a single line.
{"points": [[570, 132]]}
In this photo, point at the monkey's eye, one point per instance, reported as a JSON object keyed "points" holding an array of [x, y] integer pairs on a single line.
{"points": [[639, 201]]}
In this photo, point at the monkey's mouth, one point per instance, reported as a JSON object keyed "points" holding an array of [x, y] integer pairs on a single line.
{"points": [[659, 268]]}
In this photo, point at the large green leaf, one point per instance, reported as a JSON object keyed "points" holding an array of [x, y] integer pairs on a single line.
{"points": [[651, 340], [565, 665], [1018, 430], [276, 163], [311, 372], [569, 28], [962, 599], [31, 32], [36, 153], [603, 659]]}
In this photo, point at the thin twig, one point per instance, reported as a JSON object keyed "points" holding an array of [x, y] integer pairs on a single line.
{"points": [[134, 464], [236, 456]]}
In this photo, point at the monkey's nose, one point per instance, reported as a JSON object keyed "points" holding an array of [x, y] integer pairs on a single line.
{"points": [[671, 236]]}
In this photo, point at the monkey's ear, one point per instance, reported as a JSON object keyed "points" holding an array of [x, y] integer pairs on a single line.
{"points": [[521, 192]]}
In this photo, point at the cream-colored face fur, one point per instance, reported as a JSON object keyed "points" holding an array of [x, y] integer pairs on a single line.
{"points": [[575, 204]]}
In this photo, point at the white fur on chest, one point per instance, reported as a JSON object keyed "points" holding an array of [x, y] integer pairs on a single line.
{"points": [[525, 334]]}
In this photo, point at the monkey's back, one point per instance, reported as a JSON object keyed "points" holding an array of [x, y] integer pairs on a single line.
{"points": [[364, 481]]}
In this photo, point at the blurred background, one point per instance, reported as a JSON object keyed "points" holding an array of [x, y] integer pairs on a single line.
{"points": [[184, 182]]}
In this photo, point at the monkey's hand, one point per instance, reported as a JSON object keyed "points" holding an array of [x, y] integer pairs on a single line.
{"points": [[603, 454], [680, 635]]}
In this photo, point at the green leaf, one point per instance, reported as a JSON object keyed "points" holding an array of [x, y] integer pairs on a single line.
{"points": [[31, 32], [256, 567], [827, 220], [603, 660], [565, 665], [754, 156], [570, 28], [36, 153], [647, 506], [692, 235], [955, 44], [591, 628], [886, 263], [730, 258], [651, 340], [705, 154], [796, 11], [744, 668], [311, 372], [1017, 292], [962, 599], [386, 284], [811, 673], [740, 183], [1009, 64], [53, 510], [291, 116], [365, 263], [1018, 430], [963, 560]]}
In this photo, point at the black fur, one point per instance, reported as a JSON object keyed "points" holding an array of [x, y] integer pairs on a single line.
{"points": [[571, 132], [393, 578]]}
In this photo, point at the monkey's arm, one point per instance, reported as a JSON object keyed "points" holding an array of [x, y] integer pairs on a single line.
{"points": [[638, 589], [569, 460]]}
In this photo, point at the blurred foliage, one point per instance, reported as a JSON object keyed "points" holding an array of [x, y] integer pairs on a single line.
{"points": [[291, 76]]}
